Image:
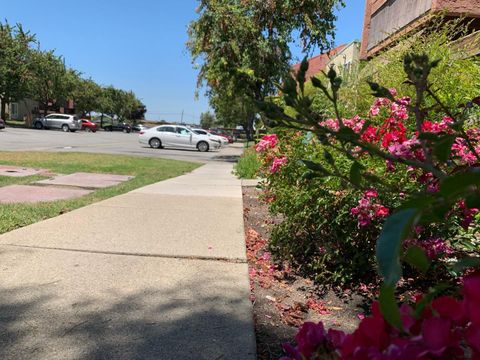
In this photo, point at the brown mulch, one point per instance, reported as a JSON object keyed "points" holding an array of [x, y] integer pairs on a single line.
{"points": [[282, 300]]}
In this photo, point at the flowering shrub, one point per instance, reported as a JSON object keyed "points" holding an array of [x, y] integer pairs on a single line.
{"points": [[416, 161], [447, 328], [330, 229], [367, 209]]}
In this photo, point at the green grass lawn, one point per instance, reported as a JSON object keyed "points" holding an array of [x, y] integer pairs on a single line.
{"points": [[145, 170]]}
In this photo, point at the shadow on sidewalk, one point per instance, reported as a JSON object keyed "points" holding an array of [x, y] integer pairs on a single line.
{"points": [[174, 322]]}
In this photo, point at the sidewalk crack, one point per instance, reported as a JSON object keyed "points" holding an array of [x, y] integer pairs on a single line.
{"points": [[124, 253]]}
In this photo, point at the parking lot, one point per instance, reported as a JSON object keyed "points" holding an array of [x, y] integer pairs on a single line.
{"points": [[16, 139]]}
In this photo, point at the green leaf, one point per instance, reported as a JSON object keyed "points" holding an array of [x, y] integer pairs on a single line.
{"points": [[418, 202], [347, 134], [389, 306], [443, 148], [314, 166], [356, 173], [380, 91], [316, 82], [328, 157], [396, 229], [473, 200], [466, 263], [458, 184], [427, 299], [428, 136], [416, 257]]}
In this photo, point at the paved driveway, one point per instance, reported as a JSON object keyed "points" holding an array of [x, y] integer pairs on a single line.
{"points": [[13, 139]]}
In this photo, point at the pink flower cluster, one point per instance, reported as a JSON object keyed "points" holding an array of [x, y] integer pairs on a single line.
{"points": [[368, 208], [356, 124], [278, 163], [434, 247], [446, 329], [267, 142], [467, 214]]}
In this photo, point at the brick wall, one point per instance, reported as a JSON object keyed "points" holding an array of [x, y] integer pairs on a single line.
{"points": [[386, 16]]}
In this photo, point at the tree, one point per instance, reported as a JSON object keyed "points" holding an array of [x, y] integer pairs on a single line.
{"points": [[87, 96], [243, 46], [51, 80], [207, 120], [15, 60]]}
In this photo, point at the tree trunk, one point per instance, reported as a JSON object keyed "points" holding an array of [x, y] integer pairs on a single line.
{"points": [[3, 110]]}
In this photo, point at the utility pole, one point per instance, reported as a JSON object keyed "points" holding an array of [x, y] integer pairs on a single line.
{"points": [[181, 121]]}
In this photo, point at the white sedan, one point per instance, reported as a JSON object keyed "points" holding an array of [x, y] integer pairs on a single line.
{"points": [[179, 137]]}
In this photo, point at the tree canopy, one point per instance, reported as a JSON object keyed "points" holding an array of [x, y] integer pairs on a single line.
{"points": [[242, 47], [26, 71]]}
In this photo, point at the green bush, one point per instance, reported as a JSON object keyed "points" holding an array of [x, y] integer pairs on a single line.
{"points": [[248, 165]]}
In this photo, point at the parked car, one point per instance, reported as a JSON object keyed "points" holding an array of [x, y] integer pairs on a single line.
{"points": [[118, 126], [58, 121], [139, 127], [179, 137], [223, 134], [223, 140], [2, 124], [88, 126]]}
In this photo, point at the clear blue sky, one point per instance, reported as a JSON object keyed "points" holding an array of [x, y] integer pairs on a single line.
{"points": [[135, 45]]}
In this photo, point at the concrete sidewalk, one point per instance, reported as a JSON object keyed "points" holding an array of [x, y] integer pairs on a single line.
{"points": [[158, 273]]}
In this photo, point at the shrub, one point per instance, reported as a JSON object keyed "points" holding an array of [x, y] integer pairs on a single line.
{"points": [[435, 160], [446, 328], [248, 165]]}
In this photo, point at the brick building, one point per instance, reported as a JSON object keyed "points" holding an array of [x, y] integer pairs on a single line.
{"points": [[386, 20]]}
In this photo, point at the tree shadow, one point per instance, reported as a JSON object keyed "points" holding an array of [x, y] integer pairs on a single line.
{"points": [[200, 317]]}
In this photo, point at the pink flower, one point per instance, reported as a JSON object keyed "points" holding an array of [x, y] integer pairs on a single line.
{"points": [[278, 163], [382, 211], [267, 142], [371, 193]]}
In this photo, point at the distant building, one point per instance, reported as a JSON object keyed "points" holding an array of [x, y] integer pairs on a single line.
{"points": [[387, 20], [27, 109], [319, 63], [347, 60]]}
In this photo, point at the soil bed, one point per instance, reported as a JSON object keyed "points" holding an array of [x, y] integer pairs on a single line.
{"points": [[282, 300]]}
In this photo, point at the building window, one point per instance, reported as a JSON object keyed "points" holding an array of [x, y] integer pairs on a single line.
{"points": [[346, 67], [14, 110]]}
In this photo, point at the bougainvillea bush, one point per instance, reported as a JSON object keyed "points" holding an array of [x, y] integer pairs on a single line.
{"points": [[445, 328], [330, 227], [415, 178]]}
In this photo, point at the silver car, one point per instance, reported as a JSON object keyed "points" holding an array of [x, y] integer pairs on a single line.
{"points": [[179, 137], [58, 121]]}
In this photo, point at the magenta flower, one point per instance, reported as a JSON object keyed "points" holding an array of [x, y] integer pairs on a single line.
{"points": [[267, 142], [278, 163]]}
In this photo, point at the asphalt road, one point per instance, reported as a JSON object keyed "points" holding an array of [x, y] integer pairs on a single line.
{"points": [[16, 139]]}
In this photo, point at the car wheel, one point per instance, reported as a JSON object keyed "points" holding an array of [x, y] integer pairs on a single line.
{"points": [[38, 125], [65, 128], [155, 143], [202, 146]]}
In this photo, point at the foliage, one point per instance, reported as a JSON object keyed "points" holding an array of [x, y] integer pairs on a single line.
{"points": [[207, 120], [445, 328], [15, 58], [242, 47], [439, 157], [248, 165], [27, 72], [456, 79]]}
